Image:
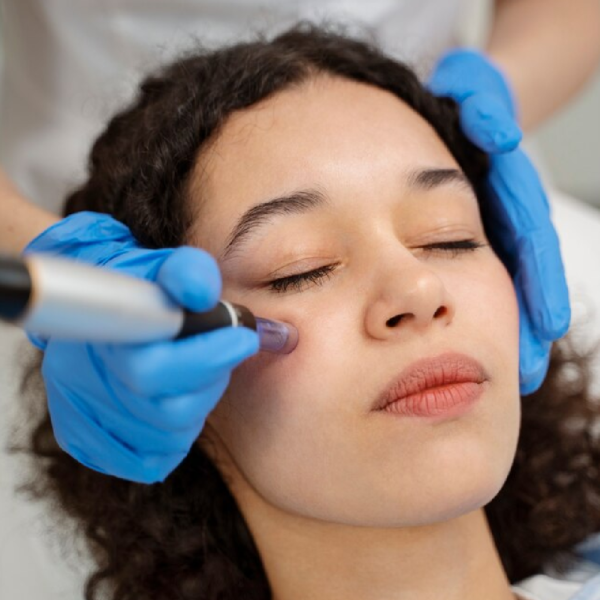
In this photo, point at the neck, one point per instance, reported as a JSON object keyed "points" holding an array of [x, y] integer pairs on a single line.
{"points": [[308, 558]]}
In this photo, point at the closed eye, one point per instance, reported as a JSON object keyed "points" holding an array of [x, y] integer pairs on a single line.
{"points": [[297, 282], [318, 276], [455, 247]]}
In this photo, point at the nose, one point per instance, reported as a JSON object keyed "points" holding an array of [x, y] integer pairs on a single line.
{"points": [[411, 299]]}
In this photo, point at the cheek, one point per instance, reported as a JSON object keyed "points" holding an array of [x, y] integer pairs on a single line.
{"points": [[488, 312], [276, 420], [491, 303], [274, 397]]}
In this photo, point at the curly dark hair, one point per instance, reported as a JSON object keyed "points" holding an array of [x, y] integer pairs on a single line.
{"points": [[185, 538]]}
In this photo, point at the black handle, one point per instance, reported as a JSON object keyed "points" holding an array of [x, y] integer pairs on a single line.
{"points": [[220, 316], [15, 287]]}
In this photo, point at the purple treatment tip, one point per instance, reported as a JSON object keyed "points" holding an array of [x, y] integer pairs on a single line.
{"points": [[276, 336]]}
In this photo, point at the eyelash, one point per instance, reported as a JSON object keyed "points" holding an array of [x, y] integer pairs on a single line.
{"points": [[318, 276]]}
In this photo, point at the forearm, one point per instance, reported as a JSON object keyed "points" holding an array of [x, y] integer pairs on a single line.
{"points": [[20, 221], [548, 49]]}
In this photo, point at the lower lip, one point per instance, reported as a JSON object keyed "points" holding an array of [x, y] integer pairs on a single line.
{"points": [[442, 402]]}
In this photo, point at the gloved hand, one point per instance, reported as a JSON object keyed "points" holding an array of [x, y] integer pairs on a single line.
{"points": [[523, 234], [134, 411]]}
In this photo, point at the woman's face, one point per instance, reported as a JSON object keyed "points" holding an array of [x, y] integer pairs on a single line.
{"points": [[299, 429]]}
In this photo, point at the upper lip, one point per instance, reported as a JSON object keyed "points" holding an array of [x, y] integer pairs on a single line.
{"points": [[426, 373]]}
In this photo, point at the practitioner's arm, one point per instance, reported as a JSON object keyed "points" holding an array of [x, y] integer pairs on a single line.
{"points": [[20, 220], [547, 49]]}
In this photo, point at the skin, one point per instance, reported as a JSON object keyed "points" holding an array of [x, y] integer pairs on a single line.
{"points": [[345, 502], [547, 49]]}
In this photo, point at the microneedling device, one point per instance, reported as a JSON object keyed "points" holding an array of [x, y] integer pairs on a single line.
{"points": [[65, 299]]}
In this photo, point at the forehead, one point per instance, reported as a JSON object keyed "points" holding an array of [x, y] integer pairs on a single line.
{"points": [[329, 133]]}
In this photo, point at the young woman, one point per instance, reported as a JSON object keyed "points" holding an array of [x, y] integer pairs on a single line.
{"points": [[339, 195]]}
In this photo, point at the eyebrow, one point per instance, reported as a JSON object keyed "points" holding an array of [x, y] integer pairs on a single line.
{"points": [[302, 201]]}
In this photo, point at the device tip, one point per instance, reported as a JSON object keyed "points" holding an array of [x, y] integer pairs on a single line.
{"points": [[276, 336]]}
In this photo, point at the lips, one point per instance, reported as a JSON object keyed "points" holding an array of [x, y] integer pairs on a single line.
{"points": [[429, 373]]}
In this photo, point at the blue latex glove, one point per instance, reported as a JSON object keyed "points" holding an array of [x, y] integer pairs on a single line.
{"points": [[523, 234], [134, 411]]}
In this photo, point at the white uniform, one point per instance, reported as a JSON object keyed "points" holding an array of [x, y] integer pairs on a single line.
{"points": [[68, 65], [71, 63]]}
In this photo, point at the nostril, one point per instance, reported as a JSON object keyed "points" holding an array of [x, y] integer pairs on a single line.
{"points": [[393, 321], [442, 310]]}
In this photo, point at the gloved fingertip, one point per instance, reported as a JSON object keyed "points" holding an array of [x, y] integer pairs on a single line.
{"points": [[247, 342], [244, 344], [486, 122], [156, 468], [222, 348], [192, 277], [559, 321], [507, 137], [533, 369], [532, 386]]}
